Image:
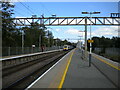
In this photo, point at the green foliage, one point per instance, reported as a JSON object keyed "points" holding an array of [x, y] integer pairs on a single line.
{"points": [[9, 32], [102, 42], [33, 35]]}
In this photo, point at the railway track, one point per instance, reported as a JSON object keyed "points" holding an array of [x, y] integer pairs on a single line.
{"points": [[21, 76]]}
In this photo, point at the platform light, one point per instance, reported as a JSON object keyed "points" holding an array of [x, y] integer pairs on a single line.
{"points": [[85, 13], [90, 33], [53, 15], [34, 16], [96, 13], [90, 12]]}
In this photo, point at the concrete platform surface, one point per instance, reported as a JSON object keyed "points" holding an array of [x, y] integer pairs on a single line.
{"points": [[72, 72], [80, 75]]}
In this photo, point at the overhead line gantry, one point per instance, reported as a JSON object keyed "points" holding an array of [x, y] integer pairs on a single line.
{"points": [[63, 21]]}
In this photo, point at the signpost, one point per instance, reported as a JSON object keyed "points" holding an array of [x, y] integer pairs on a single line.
{"points": [[90, 41]]}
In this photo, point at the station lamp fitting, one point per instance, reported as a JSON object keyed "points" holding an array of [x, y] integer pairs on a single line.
{"points": [[34, 16], [90, 12], [53, 15]]}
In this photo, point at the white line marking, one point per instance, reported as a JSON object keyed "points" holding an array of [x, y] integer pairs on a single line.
{"points": [[106, 59], [46, 71], [29, 54]]}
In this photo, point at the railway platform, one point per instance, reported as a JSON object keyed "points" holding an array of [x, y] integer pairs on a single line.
{"points": [[72, 71]]}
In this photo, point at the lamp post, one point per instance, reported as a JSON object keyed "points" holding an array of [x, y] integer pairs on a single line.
{"points": [[90, 33], [22, 38], [48, 34], [40, 36], [48, 39], [80, 42], [40, 40], [22, 41]]}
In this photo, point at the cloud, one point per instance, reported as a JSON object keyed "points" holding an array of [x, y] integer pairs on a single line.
{"points": [[57, 30], [106, 31], [73, 31]]}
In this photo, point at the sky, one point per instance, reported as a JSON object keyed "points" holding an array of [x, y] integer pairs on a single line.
{"points": [[69, 9], [64, 0]]}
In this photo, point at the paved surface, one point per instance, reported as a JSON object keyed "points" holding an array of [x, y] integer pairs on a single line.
{"points": [[78, 74], [52, 78], [107, 67]]}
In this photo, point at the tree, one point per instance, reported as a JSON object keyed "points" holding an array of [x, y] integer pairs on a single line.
{"points": [[103, 43], [37, 35], [116, 42], [9, 32]]}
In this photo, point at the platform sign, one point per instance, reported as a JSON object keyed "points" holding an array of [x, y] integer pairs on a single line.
{"points": [[90, 41]]}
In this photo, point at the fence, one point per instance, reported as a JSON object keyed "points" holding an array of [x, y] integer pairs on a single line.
{"points": [[8, 51], [111, 53]]}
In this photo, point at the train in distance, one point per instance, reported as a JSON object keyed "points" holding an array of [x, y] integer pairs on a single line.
{"points": [[67, 47]]}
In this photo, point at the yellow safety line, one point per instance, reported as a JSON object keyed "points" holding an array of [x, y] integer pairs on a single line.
{"points": [[116, 67], [52, 85], [65, 72]]}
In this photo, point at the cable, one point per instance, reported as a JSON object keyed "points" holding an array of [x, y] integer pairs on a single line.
{"points": [[35, 10], [21, 9], [19, 13], [45, 8], [26, 7]]}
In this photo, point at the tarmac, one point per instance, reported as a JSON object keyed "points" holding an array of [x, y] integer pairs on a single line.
{"points": [[73, 72]]}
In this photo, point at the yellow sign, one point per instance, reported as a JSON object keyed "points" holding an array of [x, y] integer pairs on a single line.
{"points": [[90, 41]]}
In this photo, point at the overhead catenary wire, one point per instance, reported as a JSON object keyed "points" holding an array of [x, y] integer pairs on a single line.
{"points": [[19, 13], [36, 10], [12, 3], [26, 7], [31, 10], [21, 9], [45, 8]]}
